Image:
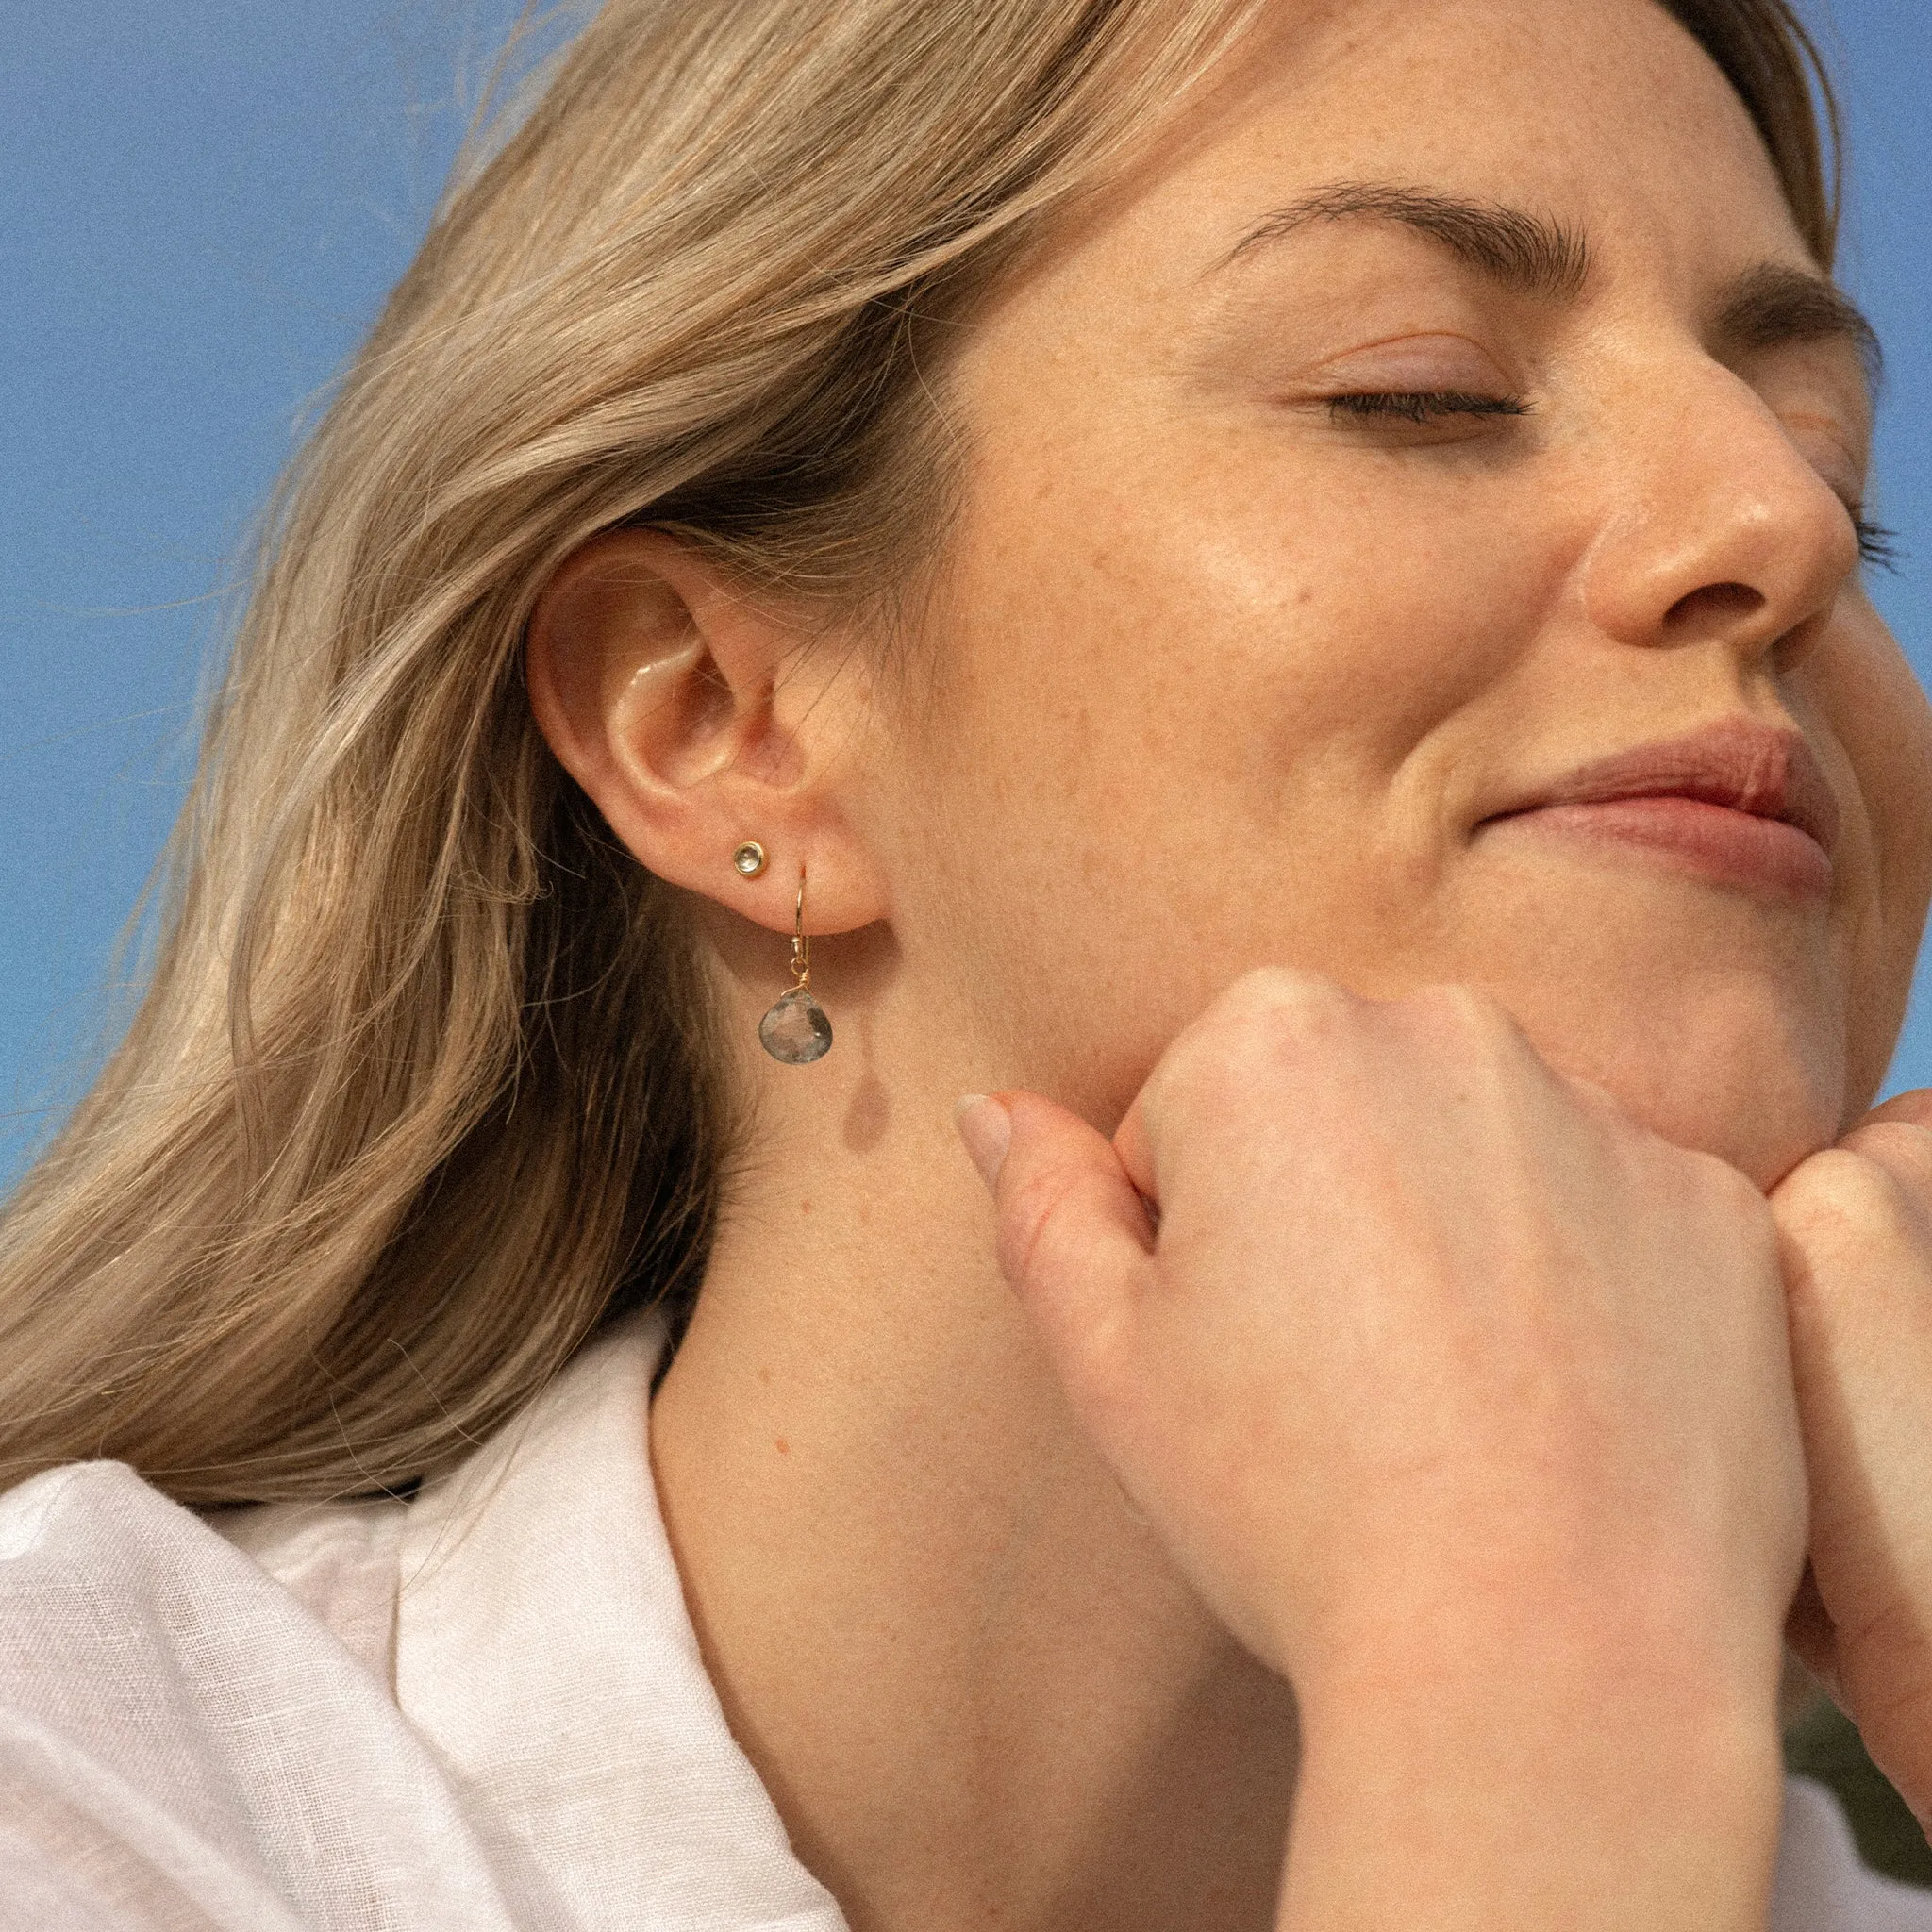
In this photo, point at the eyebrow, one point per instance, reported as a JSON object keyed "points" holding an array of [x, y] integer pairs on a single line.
{"points": [[1773, 305], [1768, 307], [1524, 252]]}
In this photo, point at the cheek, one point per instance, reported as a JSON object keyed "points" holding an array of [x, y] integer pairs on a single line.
{"points": [[1166, 633], [1879, 715], [1174, 714]]}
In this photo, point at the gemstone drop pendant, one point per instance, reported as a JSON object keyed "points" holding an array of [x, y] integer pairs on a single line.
{"points": [[797, 1030]]}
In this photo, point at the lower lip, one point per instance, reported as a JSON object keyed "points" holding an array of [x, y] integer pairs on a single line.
{"points": [[1711, 841]]}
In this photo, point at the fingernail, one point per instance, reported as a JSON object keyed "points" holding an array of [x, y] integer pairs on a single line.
{"points": [[987, 1130]]}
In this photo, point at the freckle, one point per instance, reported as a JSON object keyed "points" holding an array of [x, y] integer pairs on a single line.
{"points": [[781, 1445], [765, 1376]]}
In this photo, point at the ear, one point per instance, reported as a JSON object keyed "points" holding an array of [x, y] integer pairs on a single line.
{"points": [[695, 722]]}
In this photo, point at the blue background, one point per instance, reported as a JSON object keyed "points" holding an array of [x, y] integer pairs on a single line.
{"points": [[201, 205]]}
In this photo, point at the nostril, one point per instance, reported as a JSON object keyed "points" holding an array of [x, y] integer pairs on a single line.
{"points": [[1713, 608]]}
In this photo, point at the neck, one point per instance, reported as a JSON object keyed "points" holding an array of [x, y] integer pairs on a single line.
{"points": [[964, 1669]]}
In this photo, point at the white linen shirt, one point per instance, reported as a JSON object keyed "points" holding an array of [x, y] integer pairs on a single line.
{"points": [[480, 1711]]}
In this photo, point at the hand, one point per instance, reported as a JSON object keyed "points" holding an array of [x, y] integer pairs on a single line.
{"points": [[1466, 1403], [1855, 1226]]}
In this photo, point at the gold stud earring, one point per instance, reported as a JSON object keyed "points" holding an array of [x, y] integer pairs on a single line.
{"points": [[795, 1030], [749, 858]]}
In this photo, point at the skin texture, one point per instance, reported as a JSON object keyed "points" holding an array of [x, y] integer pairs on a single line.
{"points": [[1202, 762]]}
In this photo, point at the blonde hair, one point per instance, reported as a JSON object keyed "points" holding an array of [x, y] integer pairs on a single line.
{"points": [[423, 1085]]}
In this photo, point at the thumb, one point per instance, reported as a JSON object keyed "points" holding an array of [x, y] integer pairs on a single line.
{"points": [[1075, 1240]]}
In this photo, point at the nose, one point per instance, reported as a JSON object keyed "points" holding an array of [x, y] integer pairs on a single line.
{"points": [[1719, 530]]}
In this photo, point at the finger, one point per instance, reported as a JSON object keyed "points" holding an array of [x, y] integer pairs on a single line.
{"points": [[1847, 1213], [1857, 1263], [1891, 1141], [1075, 1242], [1914, 1109]]}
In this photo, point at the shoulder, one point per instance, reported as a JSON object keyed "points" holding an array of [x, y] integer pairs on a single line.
{"points": [[183, 1741], [100, 1568], [95, 1564]]}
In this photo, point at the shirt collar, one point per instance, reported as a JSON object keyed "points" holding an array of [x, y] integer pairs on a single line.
{"points": [[544, 1651]]}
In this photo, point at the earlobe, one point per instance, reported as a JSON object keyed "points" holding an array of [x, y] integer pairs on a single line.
{"points": [[654, 679]]}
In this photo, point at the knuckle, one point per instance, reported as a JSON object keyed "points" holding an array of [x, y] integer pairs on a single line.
{"points": [[1839, 1191], [1029, 1227], [1471, 1034], [1267, 1015], [1274, 1003], [1463, 1016], [1263, 988], [1901, 1148]]}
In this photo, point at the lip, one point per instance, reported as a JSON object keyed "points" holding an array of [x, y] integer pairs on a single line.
{"points": [[1742, 802]]}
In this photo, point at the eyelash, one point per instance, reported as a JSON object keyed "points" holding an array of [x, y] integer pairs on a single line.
{"points": [[1877, 547], [1423, 407]]}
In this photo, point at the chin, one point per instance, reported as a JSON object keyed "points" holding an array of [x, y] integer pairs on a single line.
{"points": [[1764, 1136], [1718, 1020], [1753, 1087]]}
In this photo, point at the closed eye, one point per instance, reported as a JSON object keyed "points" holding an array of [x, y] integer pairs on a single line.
{"points": [[1877, 545], [1422, 406]]}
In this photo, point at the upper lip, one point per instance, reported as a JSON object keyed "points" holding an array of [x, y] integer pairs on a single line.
{"points": [[1736, 763]]}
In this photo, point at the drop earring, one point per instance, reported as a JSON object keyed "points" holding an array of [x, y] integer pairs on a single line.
{"points": [[797, 1030]]}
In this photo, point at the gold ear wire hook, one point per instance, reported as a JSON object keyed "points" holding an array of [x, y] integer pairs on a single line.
{"points": [[801, 946]]}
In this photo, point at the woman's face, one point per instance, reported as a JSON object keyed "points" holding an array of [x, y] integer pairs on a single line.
{"points": [[1447, 438]]}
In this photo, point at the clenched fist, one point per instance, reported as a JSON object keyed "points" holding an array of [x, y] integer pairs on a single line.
{"points": [[1467, 1403]]}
